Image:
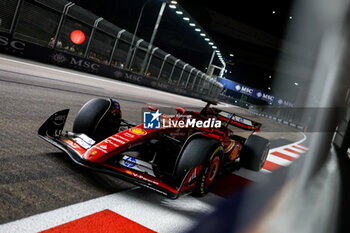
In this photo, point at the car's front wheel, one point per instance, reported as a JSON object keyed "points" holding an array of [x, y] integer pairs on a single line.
{"points": [[98, 118], [202, 151], [209, 173]]}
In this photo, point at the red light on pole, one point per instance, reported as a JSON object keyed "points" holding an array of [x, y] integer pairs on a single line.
{"points": [[77, 37]]}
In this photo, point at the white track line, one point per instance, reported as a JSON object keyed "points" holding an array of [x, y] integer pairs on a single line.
{"points": [[291, 154], [147, 208], [289, 145], [94, 77], [302, 147], [278, 160], [297, 150]]}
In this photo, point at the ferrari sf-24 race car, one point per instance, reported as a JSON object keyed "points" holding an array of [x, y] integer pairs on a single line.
{"points": [[171, 160]]}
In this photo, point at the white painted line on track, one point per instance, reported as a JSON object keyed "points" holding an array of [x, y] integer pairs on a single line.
{"points": [[278, 160], [296, 147], [298, 150], [289, 145], [72, 73], [145, 207], [94, 77], [290, 153], [302, 146]]}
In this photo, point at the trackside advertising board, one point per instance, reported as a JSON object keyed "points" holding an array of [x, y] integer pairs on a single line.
{"points": [[255, 93]]}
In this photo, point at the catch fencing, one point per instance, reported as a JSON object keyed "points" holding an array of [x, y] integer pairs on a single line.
{"points": [[41, 30]]}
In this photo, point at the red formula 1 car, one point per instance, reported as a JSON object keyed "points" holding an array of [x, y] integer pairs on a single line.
{"points": [[173, 158]]}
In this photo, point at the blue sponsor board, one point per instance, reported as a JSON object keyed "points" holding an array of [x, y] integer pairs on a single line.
{"points": [[255, 93]]}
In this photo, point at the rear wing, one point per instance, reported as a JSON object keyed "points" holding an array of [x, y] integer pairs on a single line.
{"points": [[236, 120]]}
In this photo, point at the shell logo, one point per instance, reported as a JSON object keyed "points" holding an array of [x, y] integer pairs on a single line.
{"points": [[138, 131], [128, 172]]}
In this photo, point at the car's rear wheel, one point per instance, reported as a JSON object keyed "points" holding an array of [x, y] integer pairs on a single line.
{"points": [[98, 118], [254, 152]]}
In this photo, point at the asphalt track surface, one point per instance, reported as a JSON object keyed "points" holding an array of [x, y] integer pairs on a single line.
{"points": [[35, 177]]}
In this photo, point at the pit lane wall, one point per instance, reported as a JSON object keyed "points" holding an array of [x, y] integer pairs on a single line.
{"points": [[41, 29]]}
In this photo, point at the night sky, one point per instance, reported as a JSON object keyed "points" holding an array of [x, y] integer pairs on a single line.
{"points": [[176, 37]]}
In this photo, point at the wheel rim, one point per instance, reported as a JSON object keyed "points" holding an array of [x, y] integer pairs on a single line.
{"points": [[212, 171]]}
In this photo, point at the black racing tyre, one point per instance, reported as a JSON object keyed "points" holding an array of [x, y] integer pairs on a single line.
{"points": [[209, 172], [95, 120], [254, 152], [201, 151]]}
